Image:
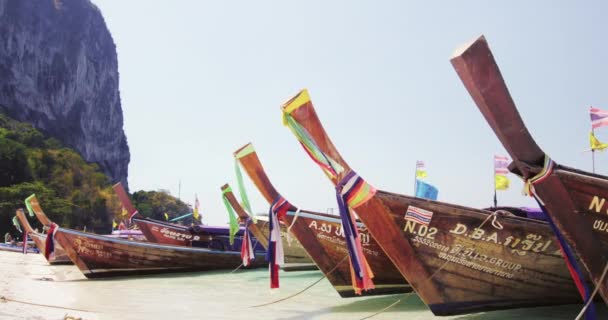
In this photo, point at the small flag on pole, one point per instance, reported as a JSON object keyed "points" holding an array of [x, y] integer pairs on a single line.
{"points": [[195, 213], [599, 118], [501, 169], [425, 190], [595, 143], [420, 171]]}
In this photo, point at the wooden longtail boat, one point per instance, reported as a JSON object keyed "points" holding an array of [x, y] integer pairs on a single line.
{"points": [[573, 199], [458, 259], [36, 209], [322, 237], [200, 236], [98, 256], [296, 258], [58, 257], [209, 237], [17, 248]]}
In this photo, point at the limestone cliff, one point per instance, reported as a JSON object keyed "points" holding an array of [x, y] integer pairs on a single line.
{"points": [[59, 72]]}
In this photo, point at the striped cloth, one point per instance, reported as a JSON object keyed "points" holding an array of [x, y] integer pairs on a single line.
{"points": [[351, 192], [568, 255], [247, 253], [418, 215], [275, 255], [599, 118], [501, 165]]}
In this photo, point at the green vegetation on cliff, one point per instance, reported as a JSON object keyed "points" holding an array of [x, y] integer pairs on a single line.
{"points": [[71, 191], [154, 204]]}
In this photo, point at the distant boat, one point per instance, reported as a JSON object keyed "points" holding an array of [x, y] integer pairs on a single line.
{"points": [[296, 258], [200, 236], [16, 248], [98, 256], [58, 257], [46, 222], [320, 234], [458, 259], [574, 199]]}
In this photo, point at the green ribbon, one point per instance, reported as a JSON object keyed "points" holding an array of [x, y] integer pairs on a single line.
{"points": [[16, 224], [234, 224], [28, 205], [244, 199]]}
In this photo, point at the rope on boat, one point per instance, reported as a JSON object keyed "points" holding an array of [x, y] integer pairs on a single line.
{"points": [[4, 299], [302, 291], [237, 268], [597, 288], [288, 233], [407, 295], [387, 307]]}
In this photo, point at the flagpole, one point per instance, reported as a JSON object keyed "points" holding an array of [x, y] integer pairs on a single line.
{"points": [[494, 177], [593, 152], [415, 180]]}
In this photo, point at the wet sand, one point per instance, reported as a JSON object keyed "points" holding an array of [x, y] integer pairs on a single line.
{"points": [[210, 295]]}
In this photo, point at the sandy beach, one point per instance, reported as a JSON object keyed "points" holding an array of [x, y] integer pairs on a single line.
{"points": [[35, 290]]}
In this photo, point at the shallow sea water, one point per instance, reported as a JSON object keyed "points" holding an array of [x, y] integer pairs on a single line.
{"points": [[207, 295]]}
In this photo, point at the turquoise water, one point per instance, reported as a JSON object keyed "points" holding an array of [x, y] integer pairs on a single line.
{"points": [[210, 295]]}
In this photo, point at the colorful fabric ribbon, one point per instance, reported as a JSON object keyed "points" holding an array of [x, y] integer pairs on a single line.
{"points": [[247, 253], [49, 246], [331, 168], [275, 255], [234, 224], [16, 224], [239, 178], [351, 192], [25, 243], [28, 204], [568, 255]]}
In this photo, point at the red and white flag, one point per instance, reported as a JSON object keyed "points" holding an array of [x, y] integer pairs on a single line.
{"points": [[501, 165], [599, 117]]}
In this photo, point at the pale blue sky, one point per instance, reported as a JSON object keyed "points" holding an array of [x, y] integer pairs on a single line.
{"points": [[199, 79]]}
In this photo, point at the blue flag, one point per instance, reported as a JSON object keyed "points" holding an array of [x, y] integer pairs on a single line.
{"points": [[425, 190]]}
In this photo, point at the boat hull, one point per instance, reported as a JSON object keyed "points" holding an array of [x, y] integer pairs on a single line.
{"points": [[455, 260], [574, 199], [97, 256], [323, 238], [16, 248], [295, 254], [215, 238], [58, 257], [479, 263]]}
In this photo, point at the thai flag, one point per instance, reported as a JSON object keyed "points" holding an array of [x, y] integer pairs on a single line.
{"points": [[599, 118], [275, 255], [247, 253], [418, 215], [501, 165]]}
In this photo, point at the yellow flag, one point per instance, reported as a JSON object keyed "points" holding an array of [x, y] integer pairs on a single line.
{"points": [[114, 224], [166, 216], [420, 173], [501, 182], [195, 213], [595, 143]]}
